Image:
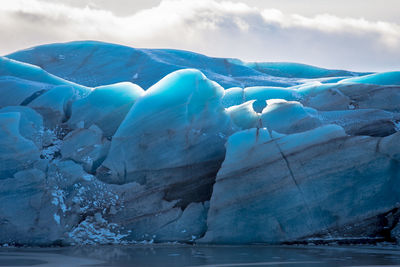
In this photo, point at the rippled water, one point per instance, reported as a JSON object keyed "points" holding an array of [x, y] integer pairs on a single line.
{"points": [[176, 255]]}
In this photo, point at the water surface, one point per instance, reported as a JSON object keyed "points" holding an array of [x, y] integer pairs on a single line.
{"points": [[185, 255]]}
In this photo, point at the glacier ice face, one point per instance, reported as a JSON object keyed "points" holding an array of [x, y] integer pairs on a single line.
{"points": [[30, 124], [16, 152], [85, 146], [182, 111], [21, 197], [286, 190], [173, 136], [391, 147], [191, 225], [56, 204], [106, 107], [314, 159], [371, 122], [348, 96]]}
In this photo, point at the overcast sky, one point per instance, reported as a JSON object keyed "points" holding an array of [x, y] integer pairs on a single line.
{"points": [[359, 35]]}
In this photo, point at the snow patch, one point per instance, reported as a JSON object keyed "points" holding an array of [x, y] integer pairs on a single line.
{"points": [[396, 125], [52, 145], [351, 106], [88, 177], [58, 199], [96, 230], [56, 218], [95, 196]]}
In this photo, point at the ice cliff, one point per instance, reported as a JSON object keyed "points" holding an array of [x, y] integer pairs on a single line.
{"points": [[105, 144]]}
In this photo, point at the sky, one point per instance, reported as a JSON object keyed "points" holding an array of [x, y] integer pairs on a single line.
{"points": [[360, 35]]}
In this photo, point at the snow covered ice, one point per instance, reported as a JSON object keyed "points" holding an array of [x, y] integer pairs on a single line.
{"points": [[107, 144]]}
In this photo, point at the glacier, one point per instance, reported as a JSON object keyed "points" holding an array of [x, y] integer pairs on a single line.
{"points": [[107, 144], [79, 62]]}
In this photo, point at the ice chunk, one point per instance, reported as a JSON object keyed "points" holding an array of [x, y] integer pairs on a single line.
{"points": [[233, 96], [190, 225], [54, 105], [240, 143], [325, 97], [106, 106], [244, 115], [86, 146], [289, 117], [390, 146], [262, 94]]}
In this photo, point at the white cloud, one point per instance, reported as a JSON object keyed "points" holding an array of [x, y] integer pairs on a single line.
{"points": [[223, 29]]}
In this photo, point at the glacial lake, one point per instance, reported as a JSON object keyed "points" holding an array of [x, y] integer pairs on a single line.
{"points": [[215, 256]]}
